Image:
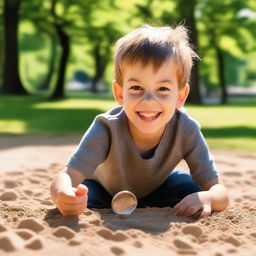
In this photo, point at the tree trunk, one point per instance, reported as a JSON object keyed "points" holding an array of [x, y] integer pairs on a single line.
{"points": [[58, 91], [187, 12], [45, 84], [11, 78], [100, 66], [65, 49], [221, 72]]}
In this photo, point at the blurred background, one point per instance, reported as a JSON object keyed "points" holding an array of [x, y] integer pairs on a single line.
{"points": [[56, 63]]}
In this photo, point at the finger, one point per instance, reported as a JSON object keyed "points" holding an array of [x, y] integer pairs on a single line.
{"points": [[179, 211], [207, 210], [191, 211], [72, 212], [68, 210], [81, 190], [179, 205], [70, 199]]}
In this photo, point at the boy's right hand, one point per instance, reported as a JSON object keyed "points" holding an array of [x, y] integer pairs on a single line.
{"points": [[72, 201]]}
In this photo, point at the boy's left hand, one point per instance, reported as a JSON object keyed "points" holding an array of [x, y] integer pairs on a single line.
{"points": [[194, 203]]}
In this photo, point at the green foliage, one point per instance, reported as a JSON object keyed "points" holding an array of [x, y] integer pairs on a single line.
{"points": [[221, 25], [95, 25]]}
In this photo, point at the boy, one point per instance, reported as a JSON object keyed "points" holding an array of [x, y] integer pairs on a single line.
{"points": [[136, 146]]}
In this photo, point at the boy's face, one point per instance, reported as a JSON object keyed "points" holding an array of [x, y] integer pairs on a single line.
{"points": [[149, 97]]}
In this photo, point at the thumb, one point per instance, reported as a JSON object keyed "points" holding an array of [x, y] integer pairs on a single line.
{"points": [[81, 190], [207, 210]]}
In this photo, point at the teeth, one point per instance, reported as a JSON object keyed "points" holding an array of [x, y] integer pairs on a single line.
{"points": [[149, 114]]}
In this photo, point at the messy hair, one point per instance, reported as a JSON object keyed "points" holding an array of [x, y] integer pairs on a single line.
{"points": [[155, 45]]}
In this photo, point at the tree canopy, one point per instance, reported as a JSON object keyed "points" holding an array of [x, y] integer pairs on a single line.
{"points": [[43, 42]]}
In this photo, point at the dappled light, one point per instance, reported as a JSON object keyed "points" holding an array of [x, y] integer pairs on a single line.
{"points": [[100, 99]]}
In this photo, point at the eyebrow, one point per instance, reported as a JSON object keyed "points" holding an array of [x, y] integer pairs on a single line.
{"points": [[168, 81], [130, 80]]}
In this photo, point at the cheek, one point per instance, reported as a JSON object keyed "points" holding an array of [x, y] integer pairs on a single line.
{"points": [[167, 99], [132, 97]]}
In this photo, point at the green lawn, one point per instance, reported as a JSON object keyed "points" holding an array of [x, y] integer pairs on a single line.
{"points": [[231, 127]]}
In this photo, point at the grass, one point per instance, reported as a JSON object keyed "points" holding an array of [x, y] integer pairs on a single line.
{"points": [[231, 127]]}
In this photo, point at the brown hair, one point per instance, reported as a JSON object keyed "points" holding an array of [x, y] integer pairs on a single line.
{"points": [[154, 45]]}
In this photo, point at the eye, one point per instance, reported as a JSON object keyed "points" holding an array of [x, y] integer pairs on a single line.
{"points": [[135, 88], [164, 89]]}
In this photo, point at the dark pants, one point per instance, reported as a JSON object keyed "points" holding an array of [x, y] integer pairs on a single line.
{"points": [[178, 185]]}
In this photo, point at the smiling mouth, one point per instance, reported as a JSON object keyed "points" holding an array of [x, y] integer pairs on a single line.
{"points": [[148, 116]]}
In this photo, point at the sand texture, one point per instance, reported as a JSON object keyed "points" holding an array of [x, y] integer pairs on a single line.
{"points": [[31, 225]]}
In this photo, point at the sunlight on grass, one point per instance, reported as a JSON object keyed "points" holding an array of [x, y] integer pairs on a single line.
{"points": [[13, 126], [231, 127], [76, 104], [233, 144], [215, 116]]}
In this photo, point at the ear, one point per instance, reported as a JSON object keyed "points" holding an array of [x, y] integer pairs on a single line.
{"points": [[118, 92], [182, 96]]}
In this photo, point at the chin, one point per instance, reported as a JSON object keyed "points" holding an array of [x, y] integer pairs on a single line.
{"points": [[149, 132]]}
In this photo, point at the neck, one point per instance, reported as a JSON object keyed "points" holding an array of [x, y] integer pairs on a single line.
{"points": [[145, 142]]}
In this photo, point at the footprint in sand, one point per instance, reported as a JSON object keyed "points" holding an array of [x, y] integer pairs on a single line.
{"points": [[25, 233], [54, 165], [108, 235], [2, 228], [253, 235], [46, 202], [11, 184], [15, 173], [64, 232], [193, 230], [182, 243], [137, 244], [231, 240], [235, 174], [117, 250], [10, 241], [28, 192], [32, 224], [41, 173], [74, 242], [34, 244], [95, 222], [34, 181], [9, 195], [40, 170]]}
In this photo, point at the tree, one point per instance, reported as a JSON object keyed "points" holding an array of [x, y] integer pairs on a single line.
{"points": [[59, 24], [101, 38], [186, 11], [45, 84], [100, 34], [225, 31], [43, 24], [11, 81]]}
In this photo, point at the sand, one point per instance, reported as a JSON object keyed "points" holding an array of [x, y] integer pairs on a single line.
{"points": [[29, 222]]}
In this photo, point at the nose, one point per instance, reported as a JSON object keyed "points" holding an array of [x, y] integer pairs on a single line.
{"points": [[148, 96]]}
